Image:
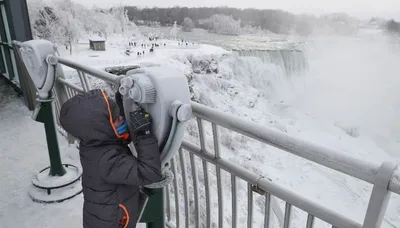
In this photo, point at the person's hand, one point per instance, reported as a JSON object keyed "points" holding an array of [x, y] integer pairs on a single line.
{"points": [[140, 122]]}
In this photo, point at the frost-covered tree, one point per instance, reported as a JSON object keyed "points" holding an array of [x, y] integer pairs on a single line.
{"points": [[104, 23], [120, 15], [37, 17], [70, 26], [43, 23], [248, 29], [174, 31], [63, 21], [222, 24], [56, 21], [103, 26], [70, 29], [187, 24]]}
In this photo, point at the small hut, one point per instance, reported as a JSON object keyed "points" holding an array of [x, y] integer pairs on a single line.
{"points": [[97, 43]]}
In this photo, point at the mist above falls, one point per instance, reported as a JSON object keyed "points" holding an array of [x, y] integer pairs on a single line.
{"points": [[351, 82]]}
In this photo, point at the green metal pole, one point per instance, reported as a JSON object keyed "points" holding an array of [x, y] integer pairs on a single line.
{"points": [[45, 116], [154, 212]]}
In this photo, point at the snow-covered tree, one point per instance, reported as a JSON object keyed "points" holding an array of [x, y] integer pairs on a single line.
{"points": [[103, 24], [56, 21], [222, 24], [43, 21], [37, 19], [120, 15], [64, 21], [187, 24], [248, 29], [174, 31], [70, 29], [69, 24]]}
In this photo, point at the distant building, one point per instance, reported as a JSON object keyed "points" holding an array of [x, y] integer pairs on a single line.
{"points": [[97, 43]]}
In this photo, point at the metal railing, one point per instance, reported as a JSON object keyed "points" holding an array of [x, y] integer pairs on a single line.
{"points": [[192, 199], [382, 177]]}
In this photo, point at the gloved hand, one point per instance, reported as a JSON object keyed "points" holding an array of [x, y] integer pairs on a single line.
{"points": [[140, 122], [119, 101]]}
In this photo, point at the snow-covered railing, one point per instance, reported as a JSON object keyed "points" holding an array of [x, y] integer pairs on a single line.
{"points": [[384, 177]]}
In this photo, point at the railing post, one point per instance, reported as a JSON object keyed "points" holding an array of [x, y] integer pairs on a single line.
{"points": [[153, 214], [379, 197], [61, 92], [46, 117], [59, 87]]}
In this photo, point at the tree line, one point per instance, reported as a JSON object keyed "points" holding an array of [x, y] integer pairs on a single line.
{"points": [[276, 21], [63, 21], [393, 26]]}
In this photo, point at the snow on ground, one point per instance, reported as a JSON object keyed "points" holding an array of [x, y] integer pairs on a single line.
{"points": [[278, 106], [23, 153]]}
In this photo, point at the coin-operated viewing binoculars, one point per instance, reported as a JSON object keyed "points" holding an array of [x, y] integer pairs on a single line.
{"points": [[59, 181], [161, 91], [164, 94]]}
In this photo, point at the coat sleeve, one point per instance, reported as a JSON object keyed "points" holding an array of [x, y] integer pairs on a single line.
{"points": [[116, 167]]}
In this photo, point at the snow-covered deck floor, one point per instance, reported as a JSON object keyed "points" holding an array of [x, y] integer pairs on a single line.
{"points": [[23, 153]]}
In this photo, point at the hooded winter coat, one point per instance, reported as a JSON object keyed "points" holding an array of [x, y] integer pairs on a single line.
{"points": [[111, 174]]}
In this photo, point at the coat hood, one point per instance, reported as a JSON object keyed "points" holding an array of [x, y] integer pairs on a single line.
{"points": [[88, 118]]}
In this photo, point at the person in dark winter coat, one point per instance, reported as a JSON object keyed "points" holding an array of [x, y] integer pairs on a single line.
{"points": [[112, 176]]}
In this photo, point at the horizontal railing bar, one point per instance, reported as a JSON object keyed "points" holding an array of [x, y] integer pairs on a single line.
{"points": [[291, 197], [325, 156], [110, 78], [70, 85]]}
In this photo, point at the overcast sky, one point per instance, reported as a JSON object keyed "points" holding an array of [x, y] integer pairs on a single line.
{"points": [[360, 8]]}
